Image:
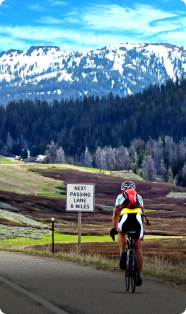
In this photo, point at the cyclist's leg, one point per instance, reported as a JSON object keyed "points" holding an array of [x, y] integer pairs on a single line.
{"points": [[138, 248], [139, 257], [139, 254], [122, 241], [137, 242]]}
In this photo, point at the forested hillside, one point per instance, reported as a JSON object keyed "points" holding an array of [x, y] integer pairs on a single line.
{"points": [[92, 122]]}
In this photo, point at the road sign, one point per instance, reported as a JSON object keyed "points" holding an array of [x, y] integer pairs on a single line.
{"points": [[80, 197]]}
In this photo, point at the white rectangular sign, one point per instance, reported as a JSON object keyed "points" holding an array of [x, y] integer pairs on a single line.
{"points": [[80, 197]]}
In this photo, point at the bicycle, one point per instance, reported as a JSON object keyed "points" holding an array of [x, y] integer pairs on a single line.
{"points": [[131, 264], [131, 268]]}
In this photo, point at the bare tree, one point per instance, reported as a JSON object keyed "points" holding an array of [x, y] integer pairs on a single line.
{"points": [[98, 158], [60, 156], [149, 170], [158, 156], [122, 158], [88, 158], [182, 151], [170, 175], [110, 158], [52, 153], [162, 171], [170, 149], [184, 170], [127, 161]]}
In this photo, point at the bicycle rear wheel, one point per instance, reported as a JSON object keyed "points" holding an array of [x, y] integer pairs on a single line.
{"points": [[127, 270], [133, 270]]}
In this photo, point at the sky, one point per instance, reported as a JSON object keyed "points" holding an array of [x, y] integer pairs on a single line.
{"points": [[83, 25]]}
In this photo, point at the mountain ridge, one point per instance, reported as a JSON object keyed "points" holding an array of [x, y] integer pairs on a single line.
{"points": [[46, 72]]}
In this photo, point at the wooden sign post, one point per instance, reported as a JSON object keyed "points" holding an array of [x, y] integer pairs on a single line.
{"points": [[79, 231], [80, 198]]}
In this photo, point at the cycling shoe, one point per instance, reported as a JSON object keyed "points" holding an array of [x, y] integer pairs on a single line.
{"points": [[139, 281]]}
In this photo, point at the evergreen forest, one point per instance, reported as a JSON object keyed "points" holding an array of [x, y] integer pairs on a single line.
{"points": [[148, 127]]}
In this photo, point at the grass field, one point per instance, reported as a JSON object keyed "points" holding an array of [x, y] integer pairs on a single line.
{"points": [[16, 178], [65, 238], [9, 161]]}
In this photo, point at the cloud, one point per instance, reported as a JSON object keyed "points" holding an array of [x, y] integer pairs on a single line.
{"points": [[95, 26], [114, 17], [1, 1], [49, 20], [59, 3], [184, 1], [175, 38], [24, 37], [36, 7]]}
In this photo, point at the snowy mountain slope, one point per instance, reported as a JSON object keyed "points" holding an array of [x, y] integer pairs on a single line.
{"points": [[47, 72]]}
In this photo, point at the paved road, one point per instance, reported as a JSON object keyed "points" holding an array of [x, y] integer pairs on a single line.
{"points": [[64, 287]]}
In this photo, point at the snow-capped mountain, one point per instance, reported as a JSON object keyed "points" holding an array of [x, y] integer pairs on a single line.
{"points": [[46, 72]]}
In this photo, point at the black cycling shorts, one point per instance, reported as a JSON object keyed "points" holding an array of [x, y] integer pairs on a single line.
{"points": [[129, 222]]}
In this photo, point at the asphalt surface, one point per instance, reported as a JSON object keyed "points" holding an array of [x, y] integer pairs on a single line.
{"points": [[32, 284]]}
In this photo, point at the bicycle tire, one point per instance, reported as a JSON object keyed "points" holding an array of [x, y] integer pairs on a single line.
{"points": [[133, 270], [127, 270]]}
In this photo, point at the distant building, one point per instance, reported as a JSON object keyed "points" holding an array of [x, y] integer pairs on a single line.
{"points": [[40, 158], [17, 157]]}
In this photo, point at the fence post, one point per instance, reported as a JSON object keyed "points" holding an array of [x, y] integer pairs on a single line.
{"points": [[53, 235]]}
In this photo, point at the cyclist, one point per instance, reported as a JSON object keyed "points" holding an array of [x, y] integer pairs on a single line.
{"points": [[128, 210]]}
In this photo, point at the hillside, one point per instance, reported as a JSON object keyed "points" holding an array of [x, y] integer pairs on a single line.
{"points": [[168, 215], [46, 72], [25, 218]]}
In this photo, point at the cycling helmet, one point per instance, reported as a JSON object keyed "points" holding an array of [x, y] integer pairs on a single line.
{"points": [[128, 185]]}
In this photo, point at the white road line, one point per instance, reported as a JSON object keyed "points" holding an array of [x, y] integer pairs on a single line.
{"points": [[31, 295]]}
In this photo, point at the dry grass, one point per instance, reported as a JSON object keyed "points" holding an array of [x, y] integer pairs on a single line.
{"points": [[22, 181], [162, 268]]}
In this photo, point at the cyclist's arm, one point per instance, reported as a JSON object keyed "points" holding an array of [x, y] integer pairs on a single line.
{"points": [[141, 205], [143, 213], [115, 217]]}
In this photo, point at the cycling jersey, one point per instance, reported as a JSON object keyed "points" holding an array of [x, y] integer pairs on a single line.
{"points": [[121, 198]]}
